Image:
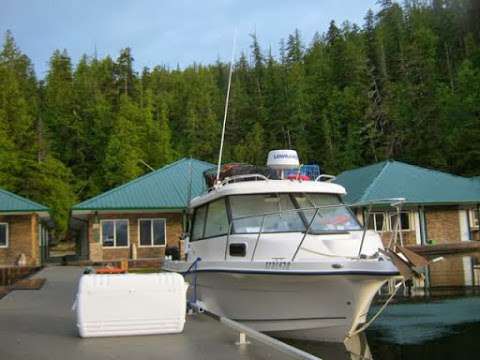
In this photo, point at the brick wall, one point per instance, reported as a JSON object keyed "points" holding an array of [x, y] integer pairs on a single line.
{"points": [[475, 235], [409, 237], [443, 227], [99, 253], [22, 238]]}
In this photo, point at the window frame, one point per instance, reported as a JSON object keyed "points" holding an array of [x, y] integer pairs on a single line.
{"points": [[386, 221], [207, 208], [223, 199], [7, 235], [410, 222], [151, 232], [300, 214], [194, 218], [474, 216], [115, 234], [324, 232]]}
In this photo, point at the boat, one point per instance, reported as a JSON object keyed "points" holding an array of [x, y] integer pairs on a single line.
{"points": [[277, 250]]}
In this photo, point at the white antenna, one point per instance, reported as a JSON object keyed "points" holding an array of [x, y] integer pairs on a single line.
{"points": [[148, 166], [226, 106]]}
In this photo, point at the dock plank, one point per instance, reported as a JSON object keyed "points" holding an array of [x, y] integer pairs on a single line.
{"points": [[457, 248], [39, 324]]}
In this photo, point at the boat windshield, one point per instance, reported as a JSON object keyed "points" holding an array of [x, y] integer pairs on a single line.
{"points": [[290, 213], [331, 216], [254, 206]]}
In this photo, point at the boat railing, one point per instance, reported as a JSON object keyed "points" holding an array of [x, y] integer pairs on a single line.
{"points": [[325, 177], [393, 202], [244, 178], [238, 178]]}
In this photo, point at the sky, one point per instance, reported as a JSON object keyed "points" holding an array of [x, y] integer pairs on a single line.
{"points": [[165, 32]]}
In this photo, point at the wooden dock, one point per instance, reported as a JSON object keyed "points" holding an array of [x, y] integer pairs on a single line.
{"points": [[451, 249]]}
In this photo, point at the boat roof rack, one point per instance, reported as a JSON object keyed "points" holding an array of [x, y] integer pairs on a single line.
{"points": [[236, 172]]}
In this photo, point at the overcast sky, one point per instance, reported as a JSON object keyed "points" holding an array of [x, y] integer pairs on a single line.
{"points": [[162, 32]]}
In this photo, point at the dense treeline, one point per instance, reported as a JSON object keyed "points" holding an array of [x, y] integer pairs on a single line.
{"points": [[405, 85]]}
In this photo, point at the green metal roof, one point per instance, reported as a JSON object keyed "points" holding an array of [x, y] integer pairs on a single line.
{"points": [[10, 202], [165, 188], [394, 179]]}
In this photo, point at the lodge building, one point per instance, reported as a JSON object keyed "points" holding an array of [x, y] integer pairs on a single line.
{"points": [[140, 219], [439, 208], [23, 231]]}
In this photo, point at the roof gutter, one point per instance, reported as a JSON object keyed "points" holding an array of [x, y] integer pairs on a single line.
{"points": [[41, 213], [126, 210], [443, 203]]}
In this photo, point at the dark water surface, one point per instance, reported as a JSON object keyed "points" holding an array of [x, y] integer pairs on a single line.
{"points": [[438, 327]]}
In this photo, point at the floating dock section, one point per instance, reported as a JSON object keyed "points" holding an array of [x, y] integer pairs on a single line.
{"points": [[32, 320]]}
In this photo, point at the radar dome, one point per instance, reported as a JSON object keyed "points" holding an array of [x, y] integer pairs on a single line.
{"points": [[283, 159]]}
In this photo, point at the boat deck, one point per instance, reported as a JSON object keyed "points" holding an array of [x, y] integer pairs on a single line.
{"points": [[39, 324]]}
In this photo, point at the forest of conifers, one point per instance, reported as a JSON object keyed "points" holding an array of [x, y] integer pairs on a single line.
{"points": [[405, 85]]}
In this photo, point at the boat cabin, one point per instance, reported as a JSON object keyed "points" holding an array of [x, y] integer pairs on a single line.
{"points": [[249, 216]]}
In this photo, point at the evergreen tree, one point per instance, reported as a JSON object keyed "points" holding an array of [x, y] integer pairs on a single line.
{"points": [[25, 166], [157, 138], [125, 75], [123, 153]]}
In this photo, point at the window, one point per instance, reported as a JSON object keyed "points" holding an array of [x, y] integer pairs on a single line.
{"points": [[334, 218], [474, 218], [377, 221], [217, 219], [114, 233], [199, 222], [404, 221], [255, 206], [152, 232], [387, 221], [3, 235]]}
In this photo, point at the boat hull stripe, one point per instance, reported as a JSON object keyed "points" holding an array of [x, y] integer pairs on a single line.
{"points": [[324, 273]]}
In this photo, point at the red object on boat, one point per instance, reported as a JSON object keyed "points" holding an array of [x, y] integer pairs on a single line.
{"points": [[298, 177]]}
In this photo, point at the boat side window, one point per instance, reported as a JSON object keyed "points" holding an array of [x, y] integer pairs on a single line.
{"points": [[248, 210], [199, 222], [331, 216], [217, 219]]}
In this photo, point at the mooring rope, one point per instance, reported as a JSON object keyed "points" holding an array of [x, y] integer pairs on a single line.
{"points": [[194, 266]]}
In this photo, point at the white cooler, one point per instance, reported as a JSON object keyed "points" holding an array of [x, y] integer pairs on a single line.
{"points": [[130, 304]]}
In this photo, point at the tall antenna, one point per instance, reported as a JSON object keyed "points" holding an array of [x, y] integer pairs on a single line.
{"points": [[144, 163], [190, 175], [226, 106]]}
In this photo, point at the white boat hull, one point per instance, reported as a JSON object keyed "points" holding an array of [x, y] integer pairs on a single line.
{"points": [[323, 307]]}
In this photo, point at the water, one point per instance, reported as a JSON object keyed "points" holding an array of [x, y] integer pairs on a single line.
{"points": [[435, 327]]}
